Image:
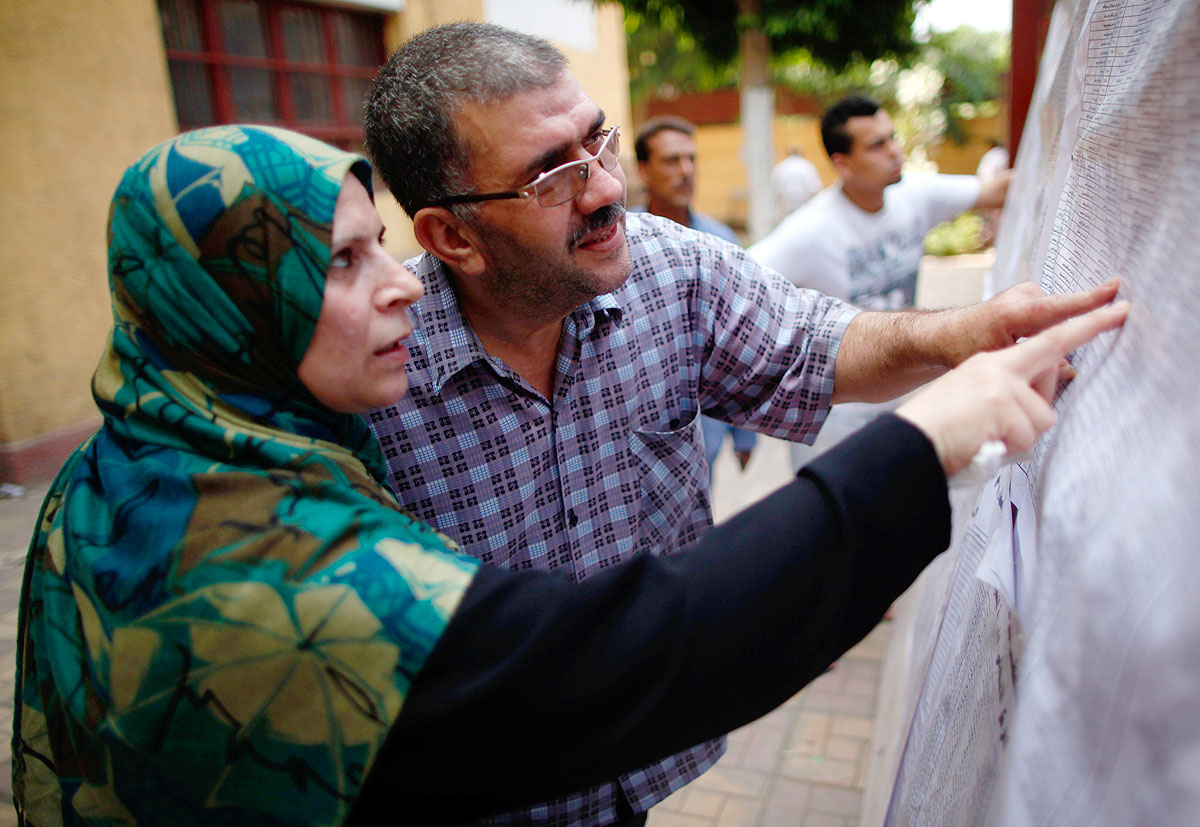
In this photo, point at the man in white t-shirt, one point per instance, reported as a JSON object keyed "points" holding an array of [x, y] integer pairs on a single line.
{"points": [[862, 238]]}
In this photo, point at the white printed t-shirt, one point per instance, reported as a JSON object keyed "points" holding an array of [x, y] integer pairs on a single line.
{"points": [[869, 259]]}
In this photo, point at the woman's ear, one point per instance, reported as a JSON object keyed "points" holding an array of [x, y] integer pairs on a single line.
{"points": [[449, 238]]}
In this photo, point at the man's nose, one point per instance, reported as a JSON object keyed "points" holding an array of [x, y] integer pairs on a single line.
{"points": [[603, 187]]}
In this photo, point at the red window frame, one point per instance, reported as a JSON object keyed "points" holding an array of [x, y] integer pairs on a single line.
{"points": [[344, 129]]}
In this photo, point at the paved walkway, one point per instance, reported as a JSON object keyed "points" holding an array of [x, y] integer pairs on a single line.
{"points": [[804, 765], [17, 517]]}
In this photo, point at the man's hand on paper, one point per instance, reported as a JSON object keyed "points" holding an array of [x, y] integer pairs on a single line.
{"points": [[1020, 311], [1006, 395], [886, 354]]}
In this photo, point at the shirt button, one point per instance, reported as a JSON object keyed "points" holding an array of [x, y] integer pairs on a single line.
{"points": [[571, 518]]}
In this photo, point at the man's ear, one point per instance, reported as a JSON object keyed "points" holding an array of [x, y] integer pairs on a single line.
{"points": [[449, 238], [841, 163]]}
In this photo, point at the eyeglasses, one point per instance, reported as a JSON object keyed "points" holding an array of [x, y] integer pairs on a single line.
{"points": [[556, 186]]}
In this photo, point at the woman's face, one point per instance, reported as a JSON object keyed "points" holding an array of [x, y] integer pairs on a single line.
{"points": [[356, 358]]}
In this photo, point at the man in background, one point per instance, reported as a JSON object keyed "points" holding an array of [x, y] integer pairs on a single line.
{"points": [[794, 180], [862, 238], [666, 159], [994, 162]]}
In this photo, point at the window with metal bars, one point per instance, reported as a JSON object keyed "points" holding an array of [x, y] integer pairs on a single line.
{"points": [[301, 66]]}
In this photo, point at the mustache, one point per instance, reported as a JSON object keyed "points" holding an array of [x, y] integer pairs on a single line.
{"points": [[600, 219]]}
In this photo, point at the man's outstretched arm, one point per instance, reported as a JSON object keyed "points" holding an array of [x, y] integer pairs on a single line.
{"points": [[886, 354]]}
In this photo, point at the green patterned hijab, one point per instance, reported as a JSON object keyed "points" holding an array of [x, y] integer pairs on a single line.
{"points": [[223, 607]]}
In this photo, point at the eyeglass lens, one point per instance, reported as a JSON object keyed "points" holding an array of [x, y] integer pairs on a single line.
{"points": [[568, 181]]}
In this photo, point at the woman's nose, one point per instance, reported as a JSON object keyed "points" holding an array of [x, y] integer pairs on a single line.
{"points": [[401, 285]]}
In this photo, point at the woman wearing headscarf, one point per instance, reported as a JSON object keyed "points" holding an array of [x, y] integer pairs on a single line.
{"points": [[228, 619]]}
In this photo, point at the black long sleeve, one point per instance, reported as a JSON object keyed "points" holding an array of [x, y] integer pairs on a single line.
{"points": [[540, 686]]}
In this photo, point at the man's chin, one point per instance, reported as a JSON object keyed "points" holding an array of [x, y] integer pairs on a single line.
{"points": [[604, 267], [609, 274]]}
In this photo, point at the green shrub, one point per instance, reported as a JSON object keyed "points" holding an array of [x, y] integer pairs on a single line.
{"points": [[952, 238]]}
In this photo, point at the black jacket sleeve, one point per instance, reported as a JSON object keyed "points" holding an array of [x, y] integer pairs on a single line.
{"points": [[540, 686]]}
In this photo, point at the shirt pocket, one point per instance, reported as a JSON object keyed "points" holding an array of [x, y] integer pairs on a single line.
{"points": [[673, 483]]}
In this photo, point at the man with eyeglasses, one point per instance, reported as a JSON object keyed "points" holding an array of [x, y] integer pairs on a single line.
{"points": [[564, 351]]}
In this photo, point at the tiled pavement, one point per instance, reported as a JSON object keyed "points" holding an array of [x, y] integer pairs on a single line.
{"points": [[17, 517], [806, 764]]}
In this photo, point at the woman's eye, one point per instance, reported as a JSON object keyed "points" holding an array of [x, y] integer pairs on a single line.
{"points": [[341, 259]]}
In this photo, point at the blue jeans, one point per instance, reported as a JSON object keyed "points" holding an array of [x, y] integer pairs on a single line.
{"points": [[714, 435]]}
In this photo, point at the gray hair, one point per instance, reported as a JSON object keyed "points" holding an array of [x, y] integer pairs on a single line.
{"points": [[411, 111]]}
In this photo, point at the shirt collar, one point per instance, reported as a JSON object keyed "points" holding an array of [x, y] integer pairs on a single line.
{"points": [[607, 306], [642, 209]]}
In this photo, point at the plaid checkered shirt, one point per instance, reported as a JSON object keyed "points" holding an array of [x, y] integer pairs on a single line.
{"points": [[614, 464]]}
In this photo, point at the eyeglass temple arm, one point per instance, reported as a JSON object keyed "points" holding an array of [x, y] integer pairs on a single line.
{"points": [[467, 199]]}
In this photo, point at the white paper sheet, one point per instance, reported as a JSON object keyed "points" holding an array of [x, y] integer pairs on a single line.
{"points": [[1067, 691]]}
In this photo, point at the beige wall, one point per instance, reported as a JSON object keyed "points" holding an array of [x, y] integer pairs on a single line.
{"points": [[721, 176], [417, 16], [804, 133], [602, 71], [83, 90], [963, 160]]}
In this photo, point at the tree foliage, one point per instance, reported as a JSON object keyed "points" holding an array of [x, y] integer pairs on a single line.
{"points": [[834, 32], [678, 46], [665, 59], [973, 65], [824, 47], [951, 77]]}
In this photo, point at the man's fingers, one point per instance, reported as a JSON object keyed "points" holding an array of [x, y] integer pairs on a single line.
{"points": [[1055, 309], [1040, 354]]}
